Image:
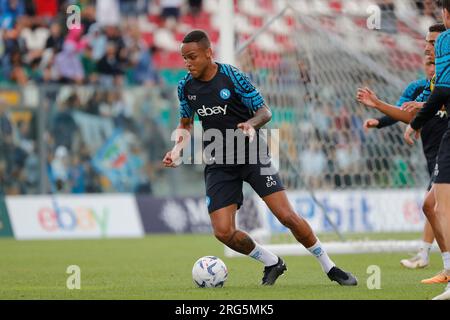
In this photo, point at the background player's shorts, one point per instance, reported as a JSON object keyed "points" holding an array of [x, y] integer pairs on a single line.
{"points": [[442, 171], [224, 184], [433, 174]]}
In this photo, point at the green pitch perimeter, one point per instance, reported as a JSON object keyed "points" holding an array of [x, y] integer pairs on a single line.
{"points": [[159, 267]]}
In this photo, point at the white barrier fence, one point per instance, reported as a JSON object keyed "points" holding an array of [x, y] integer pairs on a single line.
{"points": [[354, 211], [384, 211], [74, 217]]}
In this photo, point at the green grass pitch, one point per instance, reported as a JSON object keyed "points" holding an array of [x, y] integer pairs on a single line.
{"points": [[159, 268]]}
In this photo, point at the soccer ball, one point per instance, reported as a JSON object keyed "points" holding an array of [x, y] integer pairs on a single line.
{"points": [[209, 272]]}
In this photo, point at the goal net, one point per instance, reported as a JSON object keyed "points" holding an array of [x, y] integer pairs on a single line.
{"points": [[366, 188]]}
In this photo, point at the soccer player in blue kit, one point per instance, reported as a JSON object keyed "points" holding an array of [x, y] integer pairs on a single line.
{"points": [[224, 99], [413, 99], [440, 96]]}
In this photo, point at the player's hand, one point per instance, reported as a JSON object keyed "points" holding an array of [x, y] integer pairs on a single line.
{"points": [[248, 130], [367, 97], [371, 124], [412, 106], [408, 133], [171, 160]]}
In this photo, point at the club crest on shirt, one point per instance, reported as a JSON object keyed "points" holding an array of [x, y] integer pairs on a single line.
{"points": [[225, 94]]}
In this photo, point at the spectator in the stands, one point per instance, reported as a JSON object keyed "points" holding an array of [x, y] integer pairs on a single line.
{"points": [[142, 70], [68, 65], [195, 6], [68, 61], [60, 168], [109, 67], [388, 16], [88, 18], [133, 7], [56, 40], [77, 175], [108, 12], [18, 72], [97, 40], [10, 11], [34, 36], [64, 125], [89, 65], [46, 8], [171, 9]]}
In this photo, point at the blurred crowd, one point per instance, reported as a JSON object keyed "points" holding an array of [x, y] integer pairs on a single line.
{"points": [[93, 141], [106, 51], [126, 100], [107, 48]]}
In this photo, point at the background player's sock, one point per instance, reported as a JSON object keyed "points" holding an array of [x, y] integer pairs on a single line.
{"points": [[324, 260], [424, 250], [265, 256], [446, 261]]}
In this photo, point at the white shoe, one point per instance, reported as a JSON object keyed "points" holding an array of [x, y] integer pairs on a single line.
{"points": [[445, 295], [415, 262]]}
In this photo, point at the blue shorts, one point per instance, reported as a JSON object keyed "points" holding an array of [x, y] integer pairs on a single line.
{"points": [[442, 170], [224, 183]]}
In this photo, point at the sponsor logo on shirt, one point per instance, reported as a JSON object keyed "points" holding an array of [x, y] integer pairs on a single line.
{"points": [[217, 110], [225, 94]]}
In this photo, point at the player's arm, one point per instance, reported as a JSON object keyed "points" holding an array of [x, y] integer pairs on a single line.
{"points": [[441, 93], [182, 138], [439, 97], [370, 99], [183, 132], [385, 121], [262, 116]]}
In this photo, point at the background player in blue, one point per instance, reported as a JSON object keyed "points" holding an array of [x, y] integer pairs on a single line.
{"points": [[413, 98], [440, 96], [224, 99]]}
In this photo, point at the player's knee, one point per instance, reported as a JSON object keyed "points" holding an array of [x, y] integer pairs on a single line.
{"points": [[428, 208], [289, 219], [440, 210], [223, 235]]}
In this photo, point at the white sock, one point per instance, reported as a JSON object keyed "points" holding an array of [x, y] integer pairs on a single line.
{"points": [[324, 260], [263, 255], [446, 260], [424, 250]]}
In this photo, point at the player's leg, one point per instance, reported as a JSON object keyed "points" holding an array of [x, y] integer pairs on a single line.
{"points": [[421, 259], [271, 190], [429, 209], [428, 234], [433, 220], [300, 228], [442, 193], [224, 197], [223, 223], [280, 206], [224, 227]]}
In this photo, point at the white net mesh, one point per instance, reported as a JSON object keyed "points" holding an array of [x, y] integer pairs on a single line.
{"points": [[308, 63], [308, 67]]}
